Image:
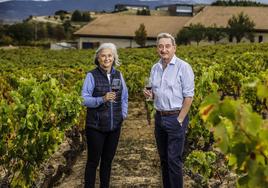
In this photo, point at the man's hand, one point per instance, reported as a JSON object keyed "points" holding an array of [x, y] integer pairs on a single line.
{"points": [[187, 102], [148, 93], [180, 121]]}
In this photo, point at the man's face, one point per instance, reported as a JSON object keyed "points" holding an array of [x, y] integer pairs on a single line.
{"points": [[166, 49]]}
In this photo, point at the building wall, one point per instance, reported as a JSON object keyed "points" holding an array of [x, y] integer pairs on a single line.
{"points": [[120, 43], [264, 36], [122, 7], [181, 10], [130, 43], [257, 36], [162, 8]]}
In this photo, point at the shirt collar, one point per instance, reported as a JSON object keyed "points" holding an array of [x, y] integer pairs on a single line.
{"points": [[173, 60]]}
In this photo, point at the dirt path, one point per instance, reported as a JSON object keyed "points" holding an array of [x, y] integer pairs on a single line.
{"points": [[136, 163]]}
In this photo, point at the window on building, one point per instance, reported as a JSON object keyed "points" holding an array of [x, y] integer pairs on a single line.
{"points": [[230, 38], [90, 45], [260, 38]]}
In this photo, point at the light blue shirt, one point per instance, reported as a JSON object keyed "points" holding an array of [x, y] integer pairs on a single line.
{"points": [[172, 84], [93, 102]]}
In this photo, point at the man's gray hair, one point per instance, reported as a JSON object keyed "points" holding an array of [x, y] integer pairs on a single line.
{"points": [[165, 35], [109, 46]]}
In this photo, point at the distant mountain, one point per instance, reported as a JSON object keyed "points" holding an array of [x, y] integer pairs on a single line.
{"points": [[17, 10]]}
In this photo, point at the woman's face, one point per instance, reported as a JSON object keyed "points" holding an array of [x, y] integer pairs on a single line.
{"points": [[106, 59]]}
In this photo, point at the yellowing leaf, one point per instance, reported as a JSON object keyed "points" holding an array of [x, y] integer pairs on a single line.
{"points": [[205, 111]]}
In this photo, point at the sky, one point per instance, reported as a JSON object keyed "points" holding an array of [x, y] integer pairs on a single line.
{"points": [[261, 1], [25, 0]]}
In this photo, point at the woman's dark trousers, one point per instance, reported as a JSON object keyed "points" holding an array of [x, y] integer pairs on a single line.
{"points": [[101, 148]]}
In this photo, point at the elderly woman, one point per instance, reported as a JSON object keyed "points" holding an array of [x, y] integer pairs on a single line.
{"points": [[106, 110]]}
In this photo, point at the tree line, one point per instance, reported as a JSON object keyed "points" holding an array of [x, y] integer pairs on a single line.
{"points": [[242, 3], [239, 26], [26, 32], [29, 30]]}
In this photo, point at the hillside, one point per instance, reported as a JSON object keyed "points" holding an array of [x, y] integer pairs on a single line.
{"points": [[18, 10]]}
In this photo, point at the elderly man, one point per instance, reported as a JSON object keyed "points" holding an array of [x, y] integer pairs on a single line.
{"points": [[172, 81]]}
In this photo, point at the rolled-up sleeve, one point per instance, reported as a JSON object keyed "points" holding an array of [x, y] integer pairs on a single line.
{"points": [[187, 81], [124, 98], [87, 90]]}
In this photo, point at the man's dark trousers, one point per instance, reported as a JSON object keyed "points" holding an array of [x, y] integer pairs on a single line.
{"points": [[170, 137]]}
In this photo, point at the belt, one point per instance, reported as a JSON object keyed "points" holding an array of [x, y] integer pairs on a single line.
{"points": [[167, 113]]}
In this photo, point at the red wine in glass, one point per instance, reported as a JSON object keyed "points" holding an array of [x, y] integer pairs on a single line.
{"points": [[115, 89], [148, 87], [116, 85]]}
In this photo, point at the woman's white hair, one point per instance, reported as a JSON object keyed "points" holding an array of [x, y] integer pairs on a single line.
{"points": [[109, 46]]}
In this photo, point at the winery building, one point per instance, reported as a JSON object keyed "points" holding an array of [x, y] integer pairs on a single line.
{"points": [[219, 15], [120, 29]]}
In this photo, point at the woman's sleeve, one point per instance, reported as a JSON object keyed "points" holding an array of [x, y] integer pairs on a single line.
{"points": [[124, 98], [87, 90]]}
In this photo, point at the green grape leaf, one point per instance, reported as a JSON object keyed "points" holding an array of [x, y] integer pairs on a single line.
{"points": [[221, 137], [232, 160], [262, 91]]}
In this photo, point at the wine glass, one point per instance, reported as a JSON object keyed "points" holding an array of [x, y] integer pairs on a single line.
{"points": [[116, 85], [148, 86]]}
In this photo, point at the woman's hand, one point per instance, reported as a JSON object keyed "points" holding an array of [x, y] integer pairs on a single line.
{"points": [[109, 96]]}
